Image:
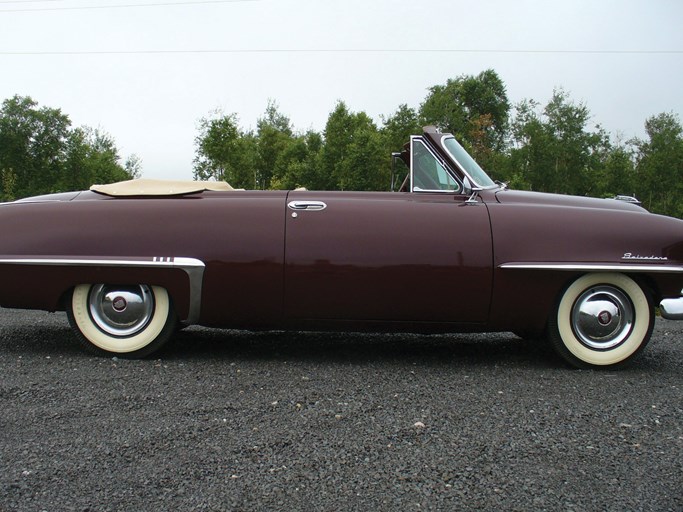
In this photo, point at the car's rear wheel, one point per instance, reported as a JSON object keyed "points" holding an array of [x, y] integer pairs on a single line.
{"points": [[128, 321], [602, 320]]}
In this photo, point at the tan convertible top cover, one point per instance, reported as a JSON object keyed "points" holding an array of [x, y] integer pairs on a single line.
{"points": [[146, 187]]}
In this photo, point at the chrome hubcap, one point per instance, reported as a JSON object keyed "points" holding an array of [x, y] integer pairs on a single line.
{"points": [[121, 310], [602, 317]]}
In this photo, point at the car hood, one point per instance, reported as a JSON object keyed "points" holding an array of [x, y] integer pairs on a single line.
{"points": [[540, 198]]}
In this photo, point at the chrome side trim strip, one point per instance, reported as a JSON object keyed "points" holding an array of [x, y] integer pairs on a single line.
{"points": [[603, 267], [193, 267]]}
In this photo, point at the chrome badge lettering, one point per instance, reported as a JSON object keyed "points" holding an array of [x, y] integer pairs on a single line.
{"points": [[631, 256]]}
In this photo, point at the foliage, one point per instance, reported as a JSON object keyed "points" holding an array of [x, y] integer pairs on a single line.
{"points": [[32, 144], [348, 156], [549, 148], [91, 157], [398, 128], [552, 150], [659, 165], [224, 152], [133, 166], [8, 181], [298, 165], [273, 137], [473, 108], [41, 153], [352, 155]]}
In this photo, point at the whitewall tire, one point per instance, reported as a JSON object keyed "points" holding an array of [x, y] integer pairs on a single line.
{"points": [[602, 320], [127, 321]]}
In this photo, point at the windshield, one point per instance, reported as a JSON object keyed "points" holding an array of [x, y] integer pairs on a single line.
{"points": [[467, 163]]}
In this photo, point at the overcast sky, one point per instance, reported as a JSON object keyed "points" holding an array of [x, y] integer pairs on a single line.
{"points": [[145, 71]]}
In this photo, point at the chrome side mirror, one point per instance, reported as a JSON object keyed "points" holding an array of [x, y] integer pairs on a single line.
{"points": [[467, 186], [470, 191]]}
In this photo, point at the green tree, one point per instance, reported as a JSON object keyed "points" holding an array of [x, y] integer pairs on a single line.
{"points": [[91, 157], [548, 148], [659, 167], [353, 156], [473, 108], [363, 168], [133, 166], [32, 144], [573, 145], [224, 153], [40, 153], [274, 137], [8, 181], [398, 127], [553, 150], [528, 159], [299, 164], [338, 136], [618, 173], [273, 157], [395, 133]]}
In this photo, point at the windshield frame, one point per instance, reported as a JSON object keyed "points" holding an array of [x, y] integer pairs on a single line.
{"points": [[462, 168]]}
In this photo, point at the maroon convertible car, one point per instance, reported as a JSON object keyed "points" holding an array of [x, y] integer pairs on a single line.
{"points": [[450, 251]]}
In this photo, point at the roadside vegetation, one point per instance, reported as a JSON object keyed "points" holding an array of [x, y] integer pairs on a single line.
{"points": [[41, 153], [555, 147]]}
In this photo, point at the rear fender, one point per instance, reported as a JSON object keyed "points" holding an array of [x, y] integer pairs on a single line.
{"points": [[55, 277]]}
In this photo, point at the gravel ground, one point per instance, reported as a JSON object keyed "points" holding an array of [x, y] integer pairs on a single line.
{"points": [[229, 420]]}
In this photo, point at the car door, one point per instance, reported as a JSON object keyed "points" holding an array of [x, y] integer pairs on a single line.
{"points": [[385, 256]]}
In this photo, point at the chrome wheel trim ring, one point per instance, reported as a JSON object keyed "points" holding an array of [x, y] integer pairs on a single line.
{"points": [[602, 317], [121, 311]]}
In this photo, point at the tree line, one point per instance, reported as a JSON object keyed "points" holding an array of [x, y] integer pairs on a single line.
{"points": [[550, 148], [41, 153], [547, 148]]}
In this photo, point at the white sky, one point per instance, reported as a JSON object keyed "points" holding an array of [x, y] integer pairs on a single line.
{"points": [[151, 102]]}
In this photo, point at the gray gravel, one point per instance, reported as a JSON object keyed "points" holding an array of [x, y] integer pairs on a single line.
{"points": [[229, 420]]}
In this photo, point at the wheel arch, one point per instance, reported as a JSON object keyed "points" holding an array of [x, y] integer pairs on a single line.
{"points": [[546, 282], [646, 282], [58, 277], [178, 291]]}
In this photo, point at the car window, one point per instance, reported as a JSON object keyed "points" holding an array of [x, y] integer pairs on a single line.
{"points": [[428, 173]]}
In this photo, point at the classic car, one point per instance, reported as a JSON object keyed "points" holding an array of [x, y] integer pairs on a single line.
{"points": [[449, 251]]}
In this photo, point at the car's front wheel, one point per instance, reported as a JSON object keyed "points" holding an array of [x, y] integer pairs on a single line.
{"points": [[602, 320], [128, 321]]}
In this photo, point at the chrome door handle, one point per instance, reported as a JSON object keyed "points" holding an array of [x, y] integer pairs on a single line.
{"points": [[307, 205]]}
